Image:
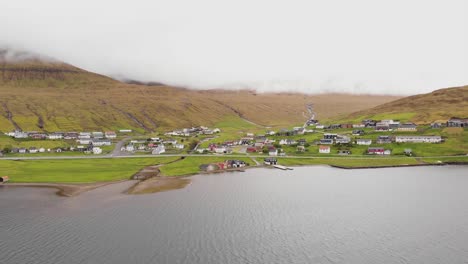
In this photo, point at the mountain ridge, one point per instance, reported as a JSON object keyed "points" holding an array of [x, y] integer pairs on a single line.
{"points": [[51, 95]]}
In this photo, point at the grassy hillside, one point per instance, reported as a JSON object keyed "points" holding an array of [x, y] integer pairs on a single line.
{"points": [[54, 96], [439, 105]]}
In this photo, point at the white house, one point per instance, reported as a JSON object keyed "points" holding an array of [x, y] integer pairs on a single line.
{"points": [[97, 150], [418, 139], [159, 150], [84, 135], [84, 141], [208, 132], [101, 142], [273, 152], [33, 150], [130, 148], [201, 150], [42, 150], [342, 140], [324, 149], [216, 130], [407, 127], [55, 136], [179, 146], [110, 134], [98, 134], [221, 149], [270, 161], [125, 131], [363, 141], [20, 134]]}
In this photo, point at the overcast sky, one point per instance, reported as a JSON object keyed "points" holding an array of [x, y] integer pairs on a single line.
{"points": [[361, 46]]}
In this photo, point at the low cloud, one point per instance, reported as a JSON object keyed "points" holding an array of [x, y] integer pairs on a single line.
{"points": [[364, 46], [10, 54]]}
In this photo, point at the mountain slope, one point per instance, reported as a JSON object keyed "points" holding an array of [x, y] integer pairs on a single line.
{"points": [[42, 94], [438, 105]]}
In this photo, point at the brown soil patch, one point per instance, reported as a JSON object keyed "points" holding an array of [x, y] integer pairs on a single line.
{"points": [[158, 184]]}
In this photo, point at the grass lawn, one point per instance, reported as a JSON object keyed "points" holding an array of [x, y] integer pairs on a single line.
{"points": [[348, 162], [191, 165], [451, 159], [76, 170]]}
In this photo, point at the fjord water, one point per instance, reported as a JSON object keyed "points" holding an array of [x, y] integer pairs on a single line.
{"points": [[308, 215]]}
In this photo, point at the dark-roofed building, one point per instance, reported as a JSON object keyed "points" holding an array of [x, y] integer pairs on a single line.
{"points": [[407, 127], [384, 140], [457, 122]]}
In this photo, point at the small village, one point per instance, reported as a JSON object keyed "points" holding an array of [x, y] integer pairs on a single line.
{"points": [[85, 142], [296, 141], [369, 137]]}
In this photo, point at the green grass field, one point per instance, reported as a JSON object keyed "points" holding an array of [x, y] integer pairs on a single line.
{"points": [[348, 162], [461, 159], [76, 170]]}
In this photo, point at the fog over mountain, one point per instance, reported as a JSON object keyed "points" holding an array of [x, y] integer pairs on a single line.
{"points": [[359, 46]]}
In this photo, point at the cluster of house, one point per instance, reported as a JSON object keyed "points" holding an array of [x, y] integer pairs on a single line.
{"points": [[155, 145], [392, 125], [88, 142], [61, 135], [227, 164], [188, 132], [252, 144], [32, 150], [382, 125], [383, 139], [329, 139]]}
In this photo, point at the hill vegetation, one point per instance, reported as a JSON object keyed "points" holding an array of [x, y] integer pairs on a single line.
{"points": [[438, 105], [41, 94]]}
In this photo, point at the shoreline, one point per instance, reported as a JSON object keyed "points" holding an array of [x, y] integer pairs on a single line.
{"points": [[160, 183], [64, 189]]}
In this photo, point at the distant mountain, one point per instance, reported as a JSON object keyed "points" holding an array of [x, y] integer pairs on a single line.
{"points": [[438, 105], [38, 93]]}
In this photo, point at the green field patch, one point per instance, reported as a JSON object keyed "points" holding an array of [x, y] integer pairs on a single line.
{"points": [[76, 170], [348, 162]]}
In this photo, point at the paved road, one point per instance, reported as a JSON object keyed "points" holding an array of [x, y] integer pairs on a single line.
{"points": [[215, 155], [117, 152]]}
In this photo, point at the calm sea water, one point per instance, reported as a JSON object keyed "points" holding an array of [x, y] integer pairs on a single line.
{"points": [[308, 215]]}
